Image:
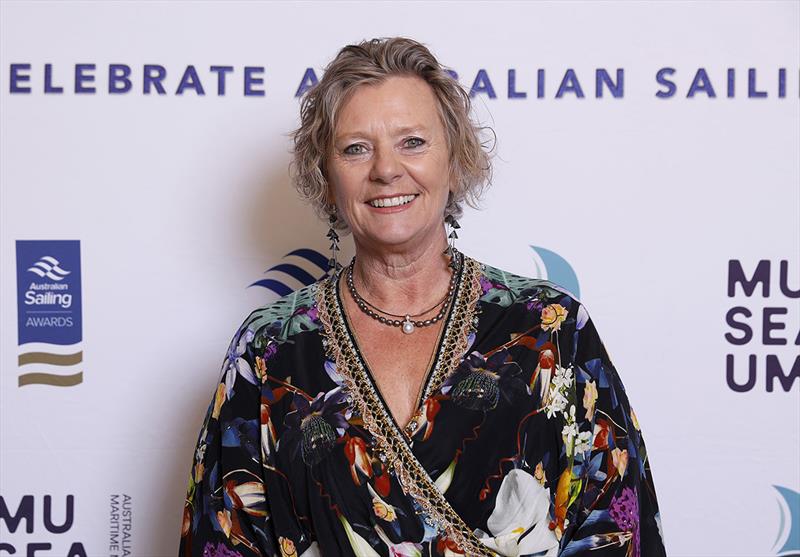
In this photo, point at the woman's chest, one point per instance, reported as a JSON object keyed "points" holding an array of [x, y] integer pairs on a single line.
{"points": [[398, 363]]}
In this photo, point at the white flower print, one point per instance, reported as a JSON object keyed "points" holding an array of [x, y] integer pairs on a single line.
{"points": [[519, 523]]}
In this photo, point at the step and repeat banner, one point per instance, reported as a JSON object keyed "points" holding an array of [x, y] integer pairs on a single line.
{"points": [[646, 152]]}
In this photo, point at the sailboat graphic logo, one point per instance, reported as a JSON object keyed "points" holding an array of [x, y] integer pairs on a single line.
{"points": [[787, 543], [551, 266]]}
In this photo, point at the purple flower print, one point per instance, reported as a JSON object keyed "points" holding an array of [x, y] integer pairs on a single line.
{"points": [[219, 550], [625, 512]]}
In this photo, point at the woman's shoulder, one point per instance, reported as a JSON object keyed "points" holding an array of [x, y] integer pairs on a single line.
{"points": [[293, 313], [505, 288]]}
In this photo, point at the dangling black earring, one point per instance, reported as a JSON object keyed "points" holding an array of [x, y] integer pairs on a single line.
{"points": [[333, 264], [451, 250]]}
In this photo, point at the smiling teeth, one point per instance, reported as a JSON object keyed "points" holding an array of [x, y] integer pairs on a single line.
{"points": [[392, 201]]}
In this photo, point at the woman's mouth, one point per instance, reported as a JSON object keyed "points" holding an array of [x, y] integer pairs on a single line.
{"points": [[395, 201]]}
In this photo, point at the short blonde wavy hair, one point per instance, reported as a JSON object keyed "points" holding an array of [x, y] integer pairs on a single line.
{"points": [[371, 62]]}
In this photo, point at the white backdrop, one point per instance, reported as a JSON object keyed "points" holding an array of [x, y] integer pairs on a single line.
{"points": [[181, 201]]}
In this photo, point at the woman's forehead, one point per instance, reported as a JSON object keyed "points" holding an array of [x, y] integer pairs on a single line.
{"points": [[398, 105]]}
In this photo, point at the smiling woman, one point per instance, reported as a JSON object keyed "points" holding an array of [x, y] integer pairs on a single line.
{"points": [[418, 401], [388, 171]]}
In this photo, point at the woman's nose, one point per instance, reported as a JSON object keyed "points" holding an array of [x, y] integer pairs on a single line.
{"points": [[386, 167]]}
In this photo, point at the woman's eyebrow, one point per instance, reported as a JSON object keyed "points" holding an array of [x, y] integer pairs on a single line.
{"points": [[417, 128], [398, 131]]}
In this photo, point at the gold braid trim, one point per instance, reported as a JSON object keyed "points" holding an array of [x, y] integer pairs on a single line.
{"points": [[389, 441], [462, 322]]}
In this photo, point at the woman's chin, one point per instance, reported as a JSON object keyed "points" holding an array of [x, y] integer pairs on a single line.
{"points": [[394, 237]]}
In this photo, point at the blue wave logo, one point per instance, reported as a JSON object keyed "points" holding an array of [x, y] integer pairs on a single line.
{"points": [[48, 267], [787, 544], [289, 270], [551, 266]]}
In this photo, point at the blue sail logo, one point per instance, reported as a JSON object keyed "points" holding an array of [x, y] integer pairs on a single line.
{"points": [[787, 544], [551, 266], [278, 276]]}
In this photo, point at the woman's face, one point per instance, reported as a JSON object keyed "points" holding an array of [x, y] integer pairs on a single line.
{"points": [[388, 166]]}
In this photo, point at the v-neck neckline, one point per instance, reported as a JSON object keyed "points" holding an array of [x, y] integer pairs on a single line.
{"points": [[433, 363], [341, 347]]}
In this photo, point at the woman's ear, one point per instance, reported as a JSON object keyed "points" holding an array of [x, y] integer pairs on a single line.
{"points": [[453, 186]]}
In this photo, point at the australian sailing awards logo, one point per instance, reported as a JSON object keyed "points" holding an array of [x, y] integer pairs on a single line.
{"points": [[49, 312]]}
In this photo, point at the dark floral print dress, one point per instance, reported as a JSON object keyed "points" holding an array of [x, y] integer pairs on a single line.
{"points": [[524, 442]]}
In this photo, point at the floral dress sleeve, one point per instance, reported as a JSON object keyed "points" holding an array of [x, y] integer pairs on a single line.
{"points": [[608, 488], [227, 512]]}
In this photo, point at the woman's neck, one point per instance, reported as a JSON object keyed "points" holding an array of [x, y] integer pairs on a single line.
{"points": [[403, 281]]}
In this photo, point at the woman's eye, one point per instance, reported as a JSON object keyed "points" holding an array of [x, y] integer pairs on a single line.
{"points": [[419, 141], [349, 150]]}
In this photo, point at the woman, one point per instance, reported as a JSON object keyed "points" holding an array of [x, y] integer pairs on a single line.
{"points": [[415, 402]]}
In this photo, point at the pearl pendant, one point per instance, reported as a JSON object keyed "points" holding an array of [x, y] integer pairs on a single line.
{"points": [[408, 325]]}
